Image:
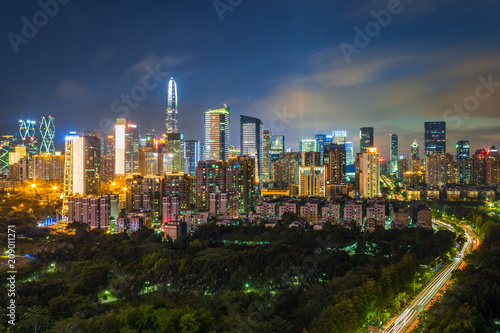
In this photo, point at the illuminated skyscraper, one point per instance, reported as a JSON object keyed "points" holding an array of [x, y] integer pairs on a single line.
{"points": [[308, 145], [339, 137], [463, 154], [435, 137], [173, 154], [365, 138], [26, 129], [276, 147], [217, 134], [394, 153], [266, 151], [27, 135], [126, 147], [479, 165], [251, 140], [493, 166], [47, 132], [415, 150], [349, 153], [172, 112], [323, 140], [192, 155]]}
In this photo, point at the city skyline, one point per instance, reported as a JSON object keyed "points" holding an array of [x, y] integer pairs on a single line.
{"points": [[401, 82]]}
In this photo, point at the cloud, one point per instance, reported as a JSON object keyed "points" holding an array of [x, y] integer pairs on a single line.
{"points": [[396, 89], [69, 89], [104, 53], [410, 9], [165, 63]]}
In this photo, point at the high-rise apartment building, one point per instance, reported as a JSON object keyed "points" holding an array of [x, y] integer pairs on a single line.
{"points": [[441, 169], [312, 181], [368, 173], [435, 137], [479, 161], [217, 134], [48, 167], [82, 170], [285, 171], [310, 158], [334, 159], [172, 111], [241, 181], [210, 178], [126, 148], [180, 185]]}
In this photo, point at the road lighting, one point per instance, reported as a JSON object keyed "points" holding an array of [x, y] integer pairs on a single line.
{"points": [[33, 185]]}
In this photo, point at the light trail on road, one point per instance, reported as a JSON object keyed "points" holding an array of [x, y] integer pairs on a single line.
{"points": [[409, 315]]}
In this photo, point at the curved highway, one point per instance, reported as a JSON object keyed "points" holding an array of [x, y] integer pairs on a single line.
{"points": [[409, 315]]}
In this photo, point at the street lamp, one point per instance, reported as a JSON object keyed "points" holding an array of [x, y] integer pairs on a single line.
{"points": [[54, 188], [33, 185]]}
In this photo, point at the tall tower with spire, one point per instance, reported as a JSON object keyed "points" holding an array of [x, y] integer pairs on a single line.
{"points": [[172, 111]]}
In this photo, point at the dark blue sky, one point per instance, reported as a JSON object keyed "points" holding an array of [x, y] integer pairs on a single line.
{"points": [[279, 60]]}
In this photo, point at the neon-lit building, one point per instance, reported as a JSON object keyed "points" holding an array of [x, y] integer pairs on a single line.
{"points": [[172, 111], [47, 133], [217, 134], [394, 153]]}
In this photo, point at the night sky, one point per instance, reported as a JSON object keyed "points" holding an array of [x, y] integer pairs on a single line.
{"points": [[280, 61]]}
